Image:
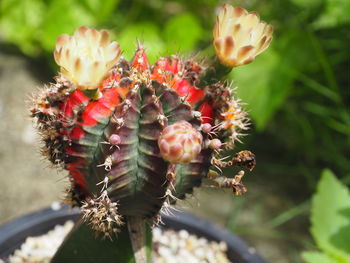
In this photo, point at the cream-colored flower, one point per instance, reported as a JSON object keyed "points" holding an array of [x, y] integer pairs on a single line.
{"points": [[239, 36], [86, 57]]}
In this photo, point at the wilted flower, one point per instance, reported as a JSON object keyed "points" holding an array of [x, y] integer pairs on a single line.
{"points": [[240, 36], [86, 57]]}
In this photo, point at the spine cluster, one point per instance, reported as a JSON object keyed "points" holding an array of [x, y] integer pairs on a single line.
{"points": [[135, 136]]}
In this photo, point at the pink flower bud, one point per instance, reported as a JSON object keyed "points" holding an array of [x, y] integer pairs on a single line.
{"points": [[206, 127], [114, 139], [180, 143], [215, 144]]}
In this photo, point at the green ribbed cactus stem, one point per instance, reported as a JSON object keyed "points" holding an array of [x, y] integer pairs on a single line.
{"points": [[216, 71], [137, 233], [136, 137], [83, 246]]}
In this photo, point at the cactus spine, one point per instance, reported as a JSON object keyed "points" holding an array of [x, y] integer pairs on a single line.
{"points": [[135, 137]]}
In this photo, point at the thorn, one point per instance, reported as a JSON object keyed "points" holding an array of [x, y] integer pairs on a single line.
{"points": [[196, 114], [118, 121], [127, 105], [107, 164], [170, 194], [105, 184], [139, 44], [162, 119]]}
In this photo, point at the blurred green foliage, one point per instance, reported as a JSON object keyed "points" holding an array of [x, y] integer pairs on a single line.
{"points": [[164, 28], [330, 215], [34, 25], [297, 92]]}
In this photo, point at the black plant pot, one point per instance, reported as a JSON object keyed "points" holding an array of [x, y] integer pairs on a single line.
{"points": [[13, 234]]}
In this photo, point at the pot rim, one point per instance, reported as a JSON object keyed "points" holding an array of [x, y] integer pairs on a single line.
{"points": [[13, 233]]}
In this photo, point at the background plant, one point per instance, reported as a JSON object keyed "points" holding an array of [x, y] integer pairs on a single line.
{"points": [[304, 71], [297, 92], [330, 221], [136, 137]]}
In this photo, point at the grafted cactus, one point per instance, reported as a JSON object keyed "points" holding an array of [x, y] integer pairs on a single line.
{"points": [[136, 137]]}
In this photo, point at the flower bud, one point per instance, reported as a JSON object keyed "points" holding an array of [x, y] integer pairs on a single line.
{"points": [[114, 139], [180, 143], [206, 127], [215, 144]]}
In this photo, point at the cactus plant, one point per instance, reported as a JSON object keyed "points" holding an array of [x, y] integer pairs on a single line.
{"points": [[136, 137]]}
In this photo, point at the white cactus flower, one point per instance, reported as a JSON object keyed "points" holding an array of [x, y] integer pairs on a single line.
{"points": [[239, 36], [86, 57]]}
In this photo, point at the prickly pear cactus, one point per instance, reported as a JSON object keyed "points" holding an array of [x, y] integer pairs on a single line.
{"points": [[136, 137]]}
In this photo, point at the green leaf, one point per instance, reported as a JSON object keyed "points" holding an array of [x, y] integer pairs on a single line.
{"points": [[83, 246], [148, 34], [307, 3], [182, 32], [101, 10], [317, 257], [265, 83], [260, 86], [336, 13], [35, 24], [330, 217], [20, 27], [63, 16]]}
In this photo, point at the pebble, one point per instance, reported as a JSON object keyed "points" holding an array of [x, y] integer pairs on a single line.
{"points": [[169, 247], [178, 247], [41, 249]]}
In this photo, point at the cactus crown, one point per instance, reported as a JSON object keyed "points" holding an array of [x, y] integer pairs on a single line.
{"points": [[135, 136]]}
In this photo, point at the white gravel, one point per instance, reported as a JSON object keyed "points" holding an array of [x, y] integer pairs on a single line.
{"points": [[178, 247], [41, 249], [168, 247]]}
